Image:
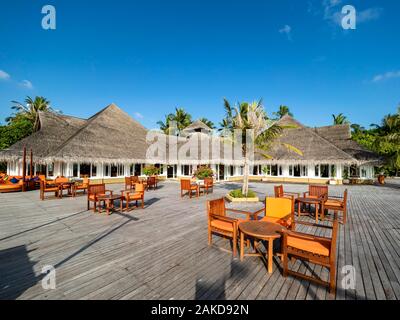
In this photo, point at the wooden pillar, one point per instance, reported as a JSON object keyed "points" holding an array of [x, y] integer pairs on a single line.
{"points": [[31, 167], [23, 170]]}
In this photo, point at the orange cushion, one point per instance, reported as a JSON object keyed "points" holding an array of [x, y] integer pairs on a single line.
{"points": [[333, 203], [278, 207], [317, 247], [223, 225]]}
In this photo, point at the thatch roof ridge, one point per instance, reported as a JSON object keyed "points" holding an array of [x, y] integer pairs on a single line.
{"points": [[109, 135], [289, 120], [197, 124]]}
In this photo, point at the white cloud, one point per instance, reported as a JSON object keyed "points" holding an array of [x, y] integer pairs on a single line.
{"points": [[286, 30], [138, 115], [386, 76], [27, 84], [4, 75]]}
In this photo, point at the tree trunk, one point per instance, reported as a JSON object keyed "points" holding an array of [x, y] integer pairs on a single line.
{"points": [[245, 187]]}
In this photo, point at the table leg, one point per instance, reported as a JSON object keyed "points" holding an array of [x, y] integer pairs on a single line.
{"points": [[298, 209], [241, 245], [270, 254]]}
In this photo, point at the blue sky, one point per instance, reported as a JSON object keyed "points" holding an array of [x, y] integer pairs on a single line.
{"points": [[149, 57]]}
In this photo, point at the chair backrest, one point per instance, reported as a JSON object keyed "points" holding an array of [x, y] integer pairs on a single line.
{"points": [[278, 190], [42, 177], [216, 207], [61, 179], [139, 187], [208, 181], [185, 184], [86, 181], [151, 180], [127, 181], [278, 207], [96, 188], [317, 191], [134, 179]]}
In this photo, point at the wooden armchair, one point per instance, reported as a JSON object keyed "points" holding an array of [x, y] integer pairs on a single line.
{"points": [[208, 184], [337, 204], [279, 210], [186, 185], [280, 193], [128, 184], [315, 191], [314, 249], [220, 224], [152, 182], [45, 188], [94, 191], [82, 186], [129, 196]]}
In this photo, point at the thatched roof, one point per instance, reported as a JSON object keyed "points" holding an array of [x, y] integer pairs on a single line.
{"points": [[197, 126], [340, 136], [111, 135], [52, 131], [314, 148]]}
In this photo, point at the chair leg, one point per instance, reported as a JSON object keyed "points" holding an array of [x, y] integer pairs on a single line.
{"points": [[234, 243], [344, 216], [209, 237], [285, 264], [332, 278]]}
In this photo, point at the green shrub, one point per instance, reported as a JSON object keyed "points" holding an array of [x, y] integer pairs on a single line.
{"points": [[150, 170], [203, 172], [238, 194]]}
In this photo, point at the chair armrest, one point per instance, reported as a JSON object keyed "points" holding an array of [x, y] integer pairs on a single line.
{"points": [[304, 236], [247, 213], [110, 191], [335, 197], [222, 218], [310, 224], [305, 194]]}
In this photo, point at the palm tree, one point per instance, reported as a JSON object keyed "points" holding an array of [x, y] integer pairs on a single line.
{"points": [[357, 129], [252, 116], [208, 123], [339, 119], [283, 110], [179, 120], [30, 109]]}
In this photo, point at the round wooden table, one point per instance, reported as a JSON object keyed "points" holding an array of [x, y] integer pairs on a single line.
{"points": [[260, 230]]}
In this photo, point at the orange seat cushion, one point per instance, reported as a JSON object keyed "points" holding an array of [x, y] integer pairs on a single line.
{"points": [[333, 203], [317, 247], [222, 225]]}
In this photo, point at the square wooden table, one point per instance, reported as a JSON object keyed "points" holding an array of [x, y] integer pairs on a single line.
{"points": [[109, 202], [311, 201]]}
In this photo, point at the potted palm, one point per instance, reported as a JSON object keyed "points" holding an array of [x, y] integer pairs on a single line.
{"points": [[203, 172], [150, 171], [251, 117]]}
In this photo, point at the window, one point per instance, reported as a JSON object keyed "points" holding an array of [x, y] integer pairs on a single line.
{"points": [[94, 170], [241, 170], [290, 170], [363, 172], [50, 170], [333, 170], [231, 171], [106, 170], [186, 170], [274, 170], [280, 170], [317, 170], [84, 170], [324, 170], [160, 168], [304, 171], [113, 171], [138, 170], [75, 167]]}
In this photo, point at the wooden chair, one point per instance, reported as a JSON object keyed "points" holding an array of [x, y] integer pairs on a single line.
{"points": [[279, 210], [208, 184], [219, 223], [128, 184], [314, 249], [337, 204], [186, 185], [45, 188], [315, 191], [129, 196], [280, 193], [94, 191], [83, 186], [152, 183]]}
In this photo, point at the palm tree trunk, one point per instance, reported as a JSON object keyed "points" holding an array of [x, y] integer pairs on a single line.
{"points": [[245, 187]]}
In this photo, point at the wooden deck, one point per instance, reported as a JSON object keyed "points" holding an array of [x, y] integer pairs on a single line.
{"points": [[161, 252]]}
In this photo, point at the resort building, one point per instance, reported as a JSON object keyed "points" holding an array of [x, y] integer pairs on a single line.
{"points": [[111, 145]]}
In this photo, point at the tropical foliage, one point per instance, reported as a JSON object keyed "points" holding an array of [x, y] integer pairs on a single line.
{"points": [[237, 193], [174, 123], [203, 172], [208, 123], [252, 116], [340, 119], [282, 111], [150, 170]]}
